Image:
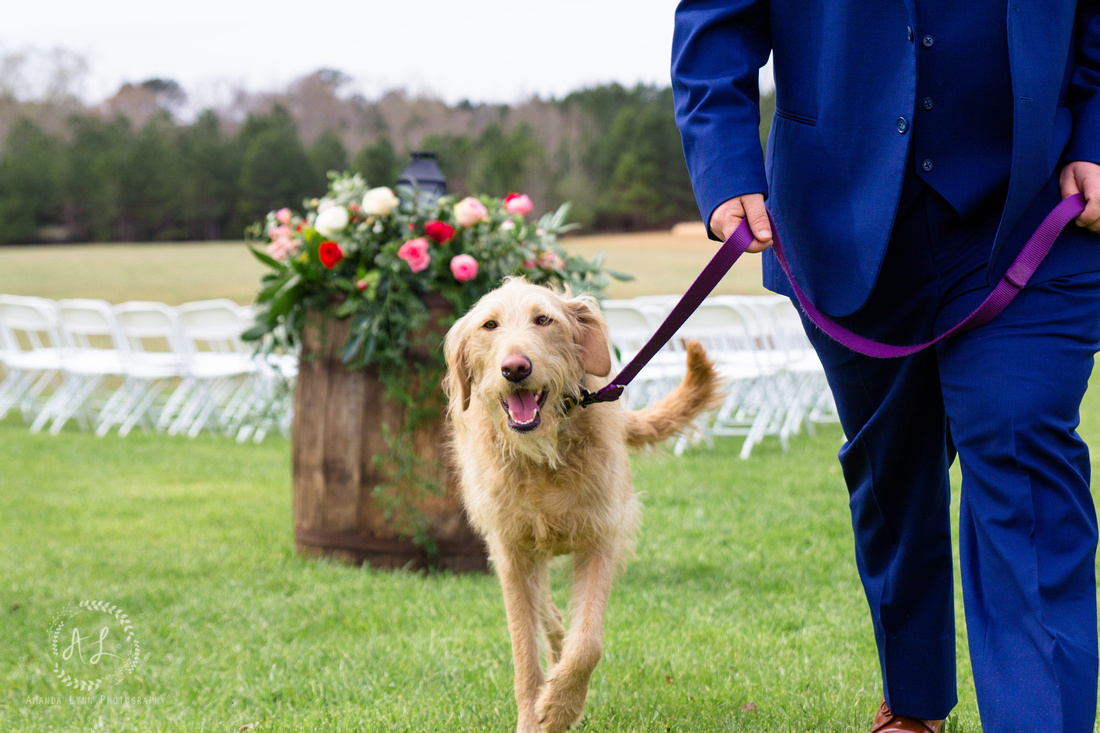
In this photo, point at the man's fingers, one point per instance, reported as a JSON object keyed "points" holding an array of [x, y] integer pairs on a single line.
{"points": [[758, 222], [727, 217], [1084, 178], [1090, 217]]}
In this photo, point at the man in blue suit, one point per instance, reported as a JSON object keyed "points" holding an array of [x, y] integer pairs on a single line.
{"points": [[915, 146]]}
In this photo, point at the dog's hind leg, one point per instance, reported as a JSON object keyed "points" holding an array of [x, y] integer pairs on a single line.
{"points": [[519, 579], [552, 627], [563, 697]]}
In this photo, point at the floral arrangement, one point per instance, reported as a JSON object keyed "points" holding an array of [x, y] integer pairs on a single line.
{"points": [[374, 257], [389, 264], [378, 260]]}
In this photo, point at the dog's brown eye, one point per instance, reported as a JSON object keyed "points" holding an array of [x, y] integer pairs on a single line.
{"points": [[489, 325], [543, 320]]}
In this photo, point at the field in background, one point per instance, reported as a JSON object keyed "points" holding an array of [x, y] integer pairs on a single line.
{"points": [[660, 262]]}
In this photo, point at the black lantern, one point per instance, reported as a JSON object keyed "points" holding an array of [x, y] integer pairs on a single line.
{"points": [[423, 176]]}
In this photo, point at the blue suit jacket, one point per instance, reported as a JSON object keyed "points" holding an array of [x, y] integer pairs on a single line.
{"points": [[846, 75]]}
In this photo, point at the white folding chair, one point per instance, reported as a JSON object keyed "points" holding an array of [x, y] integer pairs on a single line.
{"points": [[728, 336], [157, 361], [221, 367], [272, 402], [30, 353], [811, 400], [94, 353], [630, 326]]}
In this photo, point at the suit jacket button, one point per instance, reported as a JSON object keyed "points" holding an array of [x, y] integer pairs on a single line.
{"points": [[928, 41], [909, 31], [903, 125], [927, 165], [928, 103]]}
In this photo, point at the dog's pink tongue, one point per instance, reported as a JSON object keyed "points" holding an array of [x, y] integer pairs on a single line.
{"points": [[523, 406]]}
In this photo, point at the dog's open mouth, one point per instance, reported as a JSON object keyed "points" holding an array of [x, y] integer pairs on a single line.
{"points": [[524, 409]]}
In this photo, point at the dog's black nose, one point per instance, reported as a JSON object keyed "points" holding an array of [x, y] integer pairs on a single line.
{"points": [[516, 368]]}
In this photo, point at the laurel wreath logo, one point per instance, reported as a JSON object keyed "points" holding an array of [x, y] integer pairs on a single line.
{"points": [[57, 655]]}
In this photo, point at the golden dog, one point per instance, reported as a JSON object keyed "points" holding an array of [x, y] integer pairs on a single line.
{"points": [[539, 479]]}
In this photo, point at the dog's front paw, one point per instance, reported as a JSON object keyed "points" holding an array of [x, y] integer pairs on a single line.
{"points": [[560, 704]]}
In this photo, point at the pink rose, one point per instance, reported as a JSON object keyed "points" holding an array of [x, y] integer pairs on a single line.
{"points": [[469, 211], [551, 261], [507, 225], [463, 267], [283, 215], [415, 252], [518, 203]]}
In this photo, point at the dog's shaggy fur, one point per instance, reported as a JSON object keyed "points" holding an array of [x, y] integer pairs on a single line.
{"points": [[540, 480]]}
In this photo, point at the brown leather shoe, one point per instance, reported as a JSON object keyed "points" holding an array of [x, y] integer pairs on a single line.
{"points": [[887, 722]]}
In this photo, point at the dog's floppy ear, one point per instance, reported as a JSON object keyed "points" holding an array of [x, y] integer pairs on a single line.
{"points": [[458, 374], [591, 335]]}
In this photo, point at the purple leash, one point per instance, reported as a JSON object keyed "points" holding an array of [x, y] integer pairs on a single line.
{"points": [[1013, 281]]}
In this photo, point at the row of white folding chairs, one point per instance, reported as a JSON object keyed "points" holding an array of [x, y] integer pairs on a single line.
{"points": [[776, 385], [175, 369]]}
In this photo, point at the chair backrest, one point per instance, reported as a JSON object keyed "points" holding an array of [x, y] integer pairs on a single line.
{"points": [[720, 327], [28, 323], [759, 314], [151, 327], [629, 326], [656, 307], [213, 325], [87, 323]]}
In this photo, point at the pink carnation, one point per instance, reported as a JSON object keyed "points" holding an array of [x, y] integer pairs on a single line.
{"points": [[282, 248], [518, 203], [282, 245], [463, 267], [283, 215], [415, 252]]}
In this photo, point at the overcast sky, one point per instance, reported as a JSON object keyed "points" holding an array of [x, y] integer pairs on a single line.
{"points": [[487, 50]]}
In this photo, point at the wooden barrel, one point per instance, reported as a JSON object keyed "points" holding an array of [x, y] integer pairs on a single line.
{"points": [[339, 414]]}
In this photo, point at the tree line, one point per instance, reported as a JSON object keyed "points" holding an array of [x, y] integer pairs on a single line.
{"points": [[131, 171]]}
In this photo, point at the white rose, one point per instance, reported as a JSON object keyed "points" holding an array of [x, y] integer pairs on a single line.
{"points": [[331, 221], [379, 201]]}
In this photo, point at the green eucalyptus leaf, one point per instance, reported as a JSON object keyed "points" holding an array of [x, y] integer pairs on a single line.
{"points": [[267, 259]]}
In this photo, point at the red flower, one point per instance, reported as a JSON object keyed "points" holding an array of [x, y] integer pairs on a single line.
{"points": [[439, 232], [330, 254]]}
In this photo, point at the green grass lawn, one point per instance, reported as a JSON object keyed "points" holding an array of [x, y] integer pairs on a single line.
{"points": [[741, 612]]}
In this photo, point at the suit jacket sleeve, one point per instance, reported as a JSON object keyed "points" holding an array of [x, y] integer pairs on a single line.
{"points": [[1084, 89], [718, 48]]}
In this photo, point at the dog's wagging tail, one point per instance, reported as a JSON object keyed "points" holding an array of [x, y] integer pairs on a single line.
{"points": [[541, 477]]}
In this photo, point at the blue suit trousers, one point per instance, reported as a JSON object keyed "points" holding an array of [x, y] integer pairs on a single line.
{"points": [[1004, 399]]}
